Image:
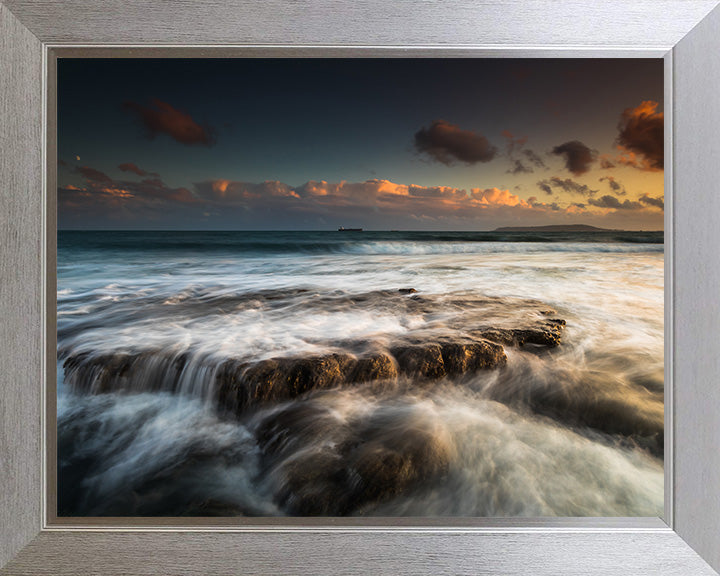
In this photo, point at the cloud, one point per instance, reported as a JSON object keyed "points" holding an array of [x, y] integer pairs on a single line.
{"points": [[519, 168], [444, 192], [317, 204], [496, 197], [512, 142], [123, 207], [615, 186], [534, 158], [150, 190], [641, 137], [162, 118], [578, 157], [448, 143], [101, 189], [230, 192], [130, 167], [514, 146], [612, 202], [566, 185], [157, 189], [92, 175], [373, 194], [544, 185], [606, 162], [658, 202], [535, 203]]}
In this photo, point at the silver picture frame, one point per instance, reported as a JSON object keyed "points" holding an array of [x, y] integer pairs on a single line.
{"points": [[683, 32]]}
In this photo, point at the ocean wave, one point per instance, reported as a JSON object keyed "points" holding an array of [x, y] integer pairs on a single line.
{"points": [[259, 243], [423, 249], [399, 247]]}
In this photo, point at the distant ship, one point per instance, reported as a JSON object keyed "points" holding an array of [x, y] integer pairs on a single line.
{"points": [[343, 229]]}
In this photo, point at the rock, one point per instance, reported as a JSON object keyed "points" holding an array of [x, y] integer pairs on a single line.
{"points": [[393, 452], [314, 485], [461, 358], [241, 384], [421, 360], [300, 455], [499, 335], [407, 290], [296, 424], [320, 464], [96, 374], [317, 372], [546, 334], [377, 367], [137, 372], [550, 338]]}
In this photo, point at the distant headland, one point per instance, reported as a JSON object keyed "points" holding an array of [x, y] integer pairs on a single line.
{"points": [[555, 228]]}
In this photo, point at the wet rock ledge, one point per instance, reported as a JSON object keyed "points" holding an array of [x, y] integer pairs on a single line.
{"points": [[243, 384], [548, 334], [239, 384]]}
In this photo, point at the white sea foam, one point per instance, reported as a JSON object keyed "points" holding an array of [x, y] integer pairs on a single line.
{"points": [[215, 306], [479, 248], [496, 462]]}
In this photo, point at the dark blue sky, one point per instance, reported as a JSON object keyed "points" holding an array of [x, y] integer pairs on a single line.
{"points": [[383, 143]]}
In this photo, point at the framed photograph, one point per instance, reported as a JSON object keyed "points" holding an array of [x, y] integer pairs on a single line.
{"points": [[224, 349], [276, 311]]}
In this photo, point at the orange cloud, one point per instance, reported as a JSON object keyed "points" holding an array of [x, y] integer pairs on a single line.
{"points": [[117, 192], [220, 186], [371, 194], [575, 209], [641, 137], [497, 197], [323, 203], [233, 192]]}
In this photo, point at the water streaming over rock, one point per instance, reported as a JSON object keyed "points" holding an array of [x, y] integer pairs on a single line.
{"points": [[399, 374]]}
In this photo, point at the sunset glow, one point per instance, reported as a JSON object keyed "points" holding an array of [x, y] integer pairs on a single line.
{"points": [[473, 146]]}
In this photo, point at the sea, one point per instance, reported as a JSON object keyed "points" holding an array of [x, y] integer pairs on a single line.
{"points": [[149, 321]]}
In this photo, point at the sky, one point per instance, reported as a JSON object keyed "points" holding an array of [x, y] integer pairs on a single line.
{"points": [[314, 144]]}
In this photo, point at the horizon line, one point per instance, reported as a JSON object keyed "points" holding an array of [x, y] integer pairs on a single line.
{"points": [[499, 229]]}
